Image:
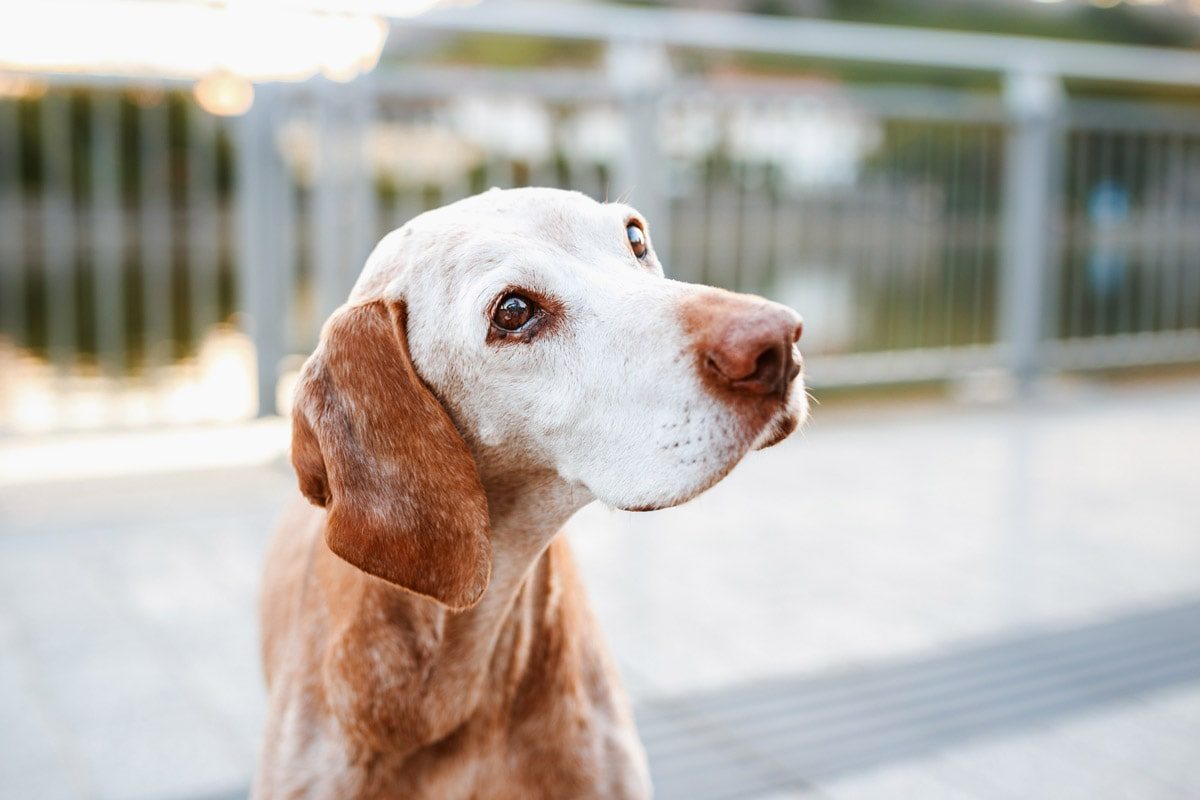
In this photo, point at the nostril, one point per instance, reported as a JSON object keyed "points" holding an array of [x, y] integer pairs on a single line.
{"points": [[754, 350], [768, 366], [764, 374]]}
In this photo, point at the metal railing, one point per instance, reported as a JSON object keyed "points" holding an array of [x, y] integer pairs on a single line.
{"points": [[160, 264]]}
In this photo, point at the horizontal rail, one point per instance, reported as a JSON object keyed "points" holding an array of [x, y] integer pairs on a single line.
{"points": [[926, 365], [813, 38], [930, 365], [1126, 350]]}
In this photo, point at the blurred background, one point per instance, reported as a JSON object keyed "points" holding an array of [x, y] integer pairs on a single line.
{"points": [[975, 575]]}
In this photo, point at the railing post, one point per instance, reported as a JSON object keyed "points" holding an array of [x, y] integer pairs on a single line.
{"points": [[263, 249], [345, 215], [638, 72], [1033, 100]]}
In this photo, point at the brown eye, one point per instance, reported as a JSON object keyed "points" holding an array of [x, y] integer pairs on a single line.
{"points": [[637, 239], [513, 312]]}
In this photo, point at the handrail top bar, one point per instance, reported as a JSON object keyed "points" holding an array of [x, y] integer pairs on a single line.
{"points": [[848, 41]]}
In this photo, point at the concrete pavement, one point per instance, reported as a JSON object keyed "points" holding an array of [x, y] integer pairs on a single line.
{"points": [[924, 601]]}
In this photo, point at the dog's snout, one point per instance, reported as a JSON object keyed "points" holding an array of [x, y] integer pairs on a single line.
{"points": [[753, 351]]}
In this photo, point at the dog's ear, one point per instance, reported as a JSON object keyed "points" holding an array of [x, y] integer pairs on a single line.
{"points": [[375, 448]]}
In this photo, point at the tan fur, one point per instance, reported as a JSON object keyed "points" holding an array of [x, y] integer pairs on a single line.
{"points": [[395, 698], [351, 449]]}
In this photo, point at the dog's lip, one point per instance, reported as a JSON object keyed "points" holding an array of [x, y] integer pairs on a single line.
{"points": [[788, 419], [644, 509], [784, 426]]}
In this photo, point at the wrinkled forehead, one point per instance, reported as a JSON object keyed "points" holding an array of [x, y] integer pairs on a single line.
{"points": [[481, 233]]}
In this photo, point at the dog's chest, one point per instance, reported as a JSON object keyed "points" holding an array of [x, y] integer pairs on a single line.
{"points": [[579, 753]]}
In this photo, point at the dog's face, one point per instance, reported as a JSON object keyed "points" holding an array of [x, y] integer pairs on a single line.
{"points": [[531, 328], [542, 320]]}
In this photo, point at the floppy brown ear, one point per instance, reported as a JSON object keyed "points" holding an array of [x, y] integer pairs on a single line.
{"points": [[373, 446]]}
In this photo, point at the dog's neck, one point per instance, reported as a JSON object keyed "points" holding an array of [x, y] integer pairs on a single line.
{"points": [[526, 511], [468, 656]]}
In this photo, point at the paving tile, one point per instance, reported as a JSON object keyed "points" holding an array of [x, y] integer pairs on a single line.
{"points": [[101, 689], [167, 752], [62, 601], [43, 781], [226, 681], [1041, 764], [1181, 705], [10, 629], [36, 757], [909, 780], [1140, 739], [26, 737]]}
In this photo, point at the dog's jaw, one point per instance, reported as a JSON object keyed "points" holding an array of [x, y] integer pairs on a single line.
{"points": [[790, 419]]}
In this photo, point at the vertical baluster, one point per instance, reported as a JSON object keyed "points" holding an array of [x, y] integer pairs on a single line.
{"points": [[721, 236], [154, 233], [108, 230], [1190, 280], [458, 185], [898, 230], [13, 246], [385, 207], [754, 250], [1080, 238], [58, 229], [1102, 228], [788, 236], [409, 202], [1175, 182], [1124, 234], [203, 223], [856, 246], [876, 187], [950, 243], [1148, 241], [930, 228], [497, 172], [1156, 178], [541, 170], [983, 241]]}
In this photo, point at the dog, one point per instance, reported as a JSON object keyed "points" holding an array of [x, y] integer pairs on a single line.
{"points": [[501, 362]]}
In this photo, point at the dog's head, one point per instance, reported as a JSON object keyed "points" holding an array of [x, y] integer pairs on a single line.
{"points": [[532, 327]]}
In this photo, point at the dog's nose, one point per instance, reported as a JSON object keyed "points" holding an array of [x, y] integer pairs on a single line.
{"points": [[753, 353]]}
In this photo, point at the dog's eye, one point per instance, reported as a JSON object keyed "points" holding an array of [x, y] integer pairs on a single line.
{"points": [[513, 312], [637, 239]]}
